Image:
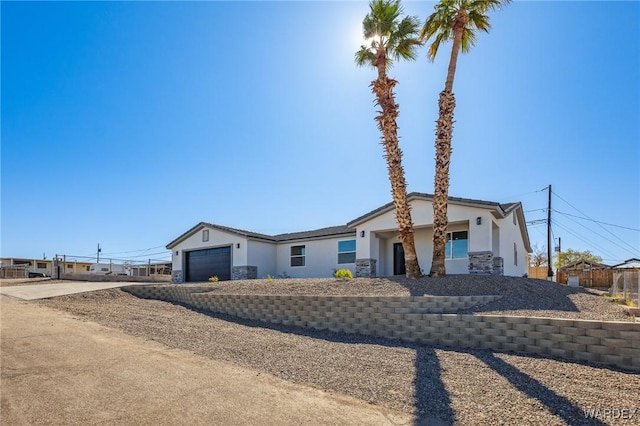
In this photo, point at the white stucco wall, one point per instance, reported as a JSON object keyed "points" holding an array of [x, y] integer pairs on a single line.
{"points": [[461, 218], [423, 238], [321, 258], [494, 235], [510, 234], [263, 256], [217, 238]]}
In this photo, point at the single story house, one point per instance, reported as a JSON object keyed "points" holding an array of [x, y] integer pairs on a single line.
{"points": [[484, 238]]}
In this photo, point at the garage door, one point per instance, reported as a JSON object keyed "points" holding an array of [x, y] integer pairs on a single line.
{"points": [[203, 264]]}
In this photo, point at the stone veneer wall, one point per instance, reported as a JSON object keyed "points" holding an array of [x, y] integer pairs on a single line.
{"points": [[481, 262], [244, 272], [176, 277], [366, 268], [413, 319], [498, 266]]}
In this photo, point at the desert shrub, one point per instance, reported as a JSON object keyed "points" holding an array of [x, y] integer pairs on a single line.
{"points": [[213, 279], [343, 274]]}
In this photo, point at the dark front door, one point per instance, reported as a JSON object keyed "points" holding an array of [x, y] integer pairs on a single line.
{"points": [[203, 264], [398, 260]]}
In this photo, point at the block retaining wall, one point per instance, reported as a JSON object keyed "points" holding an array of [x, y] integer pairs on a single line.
{"points": [[154, 278], [415, 319]]}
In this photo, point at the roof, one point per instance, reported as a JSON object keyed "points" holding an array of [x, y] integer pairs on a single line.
{"points": [[632, 263], [593, 265], [499, 210], [322, 232], [316, 233]]}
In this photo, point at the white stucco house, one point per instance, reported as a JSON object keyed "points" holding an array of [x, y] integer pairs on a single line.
{"points": [[484, 238]]}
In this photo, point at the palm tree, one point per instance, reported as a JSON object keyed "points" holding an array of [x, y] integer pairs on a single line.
{"points": [[391, 37], [455, 20]]}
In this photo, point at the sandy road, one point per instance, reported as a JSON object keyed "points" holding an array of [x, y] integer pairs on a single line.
{"points": [[57, 369]]}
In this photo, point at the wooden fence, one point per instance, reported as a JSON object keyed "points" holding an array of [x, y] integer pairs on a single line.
{"points": [[538, 272], [592, 278]]}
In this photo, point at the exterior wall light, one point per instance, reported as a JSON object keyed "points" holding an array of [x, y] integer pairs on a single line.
{"points": [[478, 220], [238, 245], [177, 252], [362, 234]]}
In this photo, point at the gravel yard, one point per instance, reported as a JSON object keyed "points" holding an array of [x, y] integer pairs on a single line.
{"points": [[464, 387], [521, 296]]}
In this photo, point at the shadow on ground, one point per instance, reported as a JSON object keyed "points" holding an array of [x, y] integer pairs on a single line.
{"points": [[432, 401], [517, 293]]}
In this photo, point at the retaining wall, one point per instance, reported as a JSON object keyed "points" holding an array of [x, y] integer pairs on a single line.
{"points": [[154, 278], [416, 319]]}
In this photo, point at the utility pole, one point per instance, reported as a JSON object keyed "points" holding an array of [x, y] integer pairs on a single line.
{"points": [[549, 267], [98, 254]]}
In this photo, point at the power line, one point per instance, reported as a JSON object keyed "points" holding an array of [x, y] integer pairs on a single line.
{"points": [[589, 243], [634, 249], [595, 221], [132, 251]]}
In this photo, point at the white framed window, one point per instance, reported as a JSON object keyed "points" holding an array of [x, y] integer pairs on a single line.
{"points": [[205, 235], [515, 254], [297, 255], [457, 246], [347, 251]]}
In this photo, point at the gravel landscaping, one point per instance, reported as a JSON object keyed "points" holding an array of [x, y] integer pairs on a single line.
{"points": [[521, 296], [466, 387]]}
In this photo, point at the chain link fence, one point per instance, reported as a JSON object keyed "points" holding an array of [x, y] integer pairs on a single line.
{"points": [[626, 285]]}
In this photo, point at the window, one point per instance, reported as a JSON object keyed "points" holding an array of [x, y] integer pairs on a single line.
{"points": [[88, 268], [297, 256], [457, 245], [514, 218], [205, 235], [515, 254], [69, 265], [41, 265], [347, 251]]}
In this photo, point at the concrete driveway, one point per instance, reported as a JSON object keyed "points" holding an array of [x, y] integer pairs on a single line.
{"points": [[57, 369], [44, 291]]}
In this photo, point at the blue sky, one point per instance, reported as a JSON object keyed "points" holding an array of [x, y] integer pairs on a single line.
{"points": [[126, 123]]}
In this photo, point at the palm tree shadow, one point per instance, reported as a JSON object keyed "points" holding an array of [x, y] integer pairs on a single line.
{"points": [[517, 293], [432, 403], [558, 405], [432, 400]]}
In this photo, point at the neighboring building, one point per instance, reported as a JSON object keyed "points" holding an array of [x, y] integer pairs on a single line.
{"points": [[584, 265], [45, 266], [632, 263], [485, 238]]}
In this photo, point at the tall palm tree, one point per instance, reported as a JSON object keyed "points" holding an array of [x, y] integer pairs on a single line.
{"points": [[457, 21], [389, 37]]}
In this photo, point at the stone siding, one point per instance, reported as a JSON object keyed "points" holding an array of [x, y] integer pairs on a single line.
{"points": [[176, 277], [481, 262], [498, 266], [366, 268], [422, 320], [244, 272]]}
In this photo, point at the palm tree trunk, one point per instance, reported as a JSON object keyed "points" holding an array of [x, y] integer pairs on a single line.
{"points": [[383, 89], [444, 134], [447, 103]]}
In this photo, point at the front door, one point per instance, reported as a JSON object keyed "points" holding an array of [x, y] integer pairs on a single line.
{"points": [[398, 260]]}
